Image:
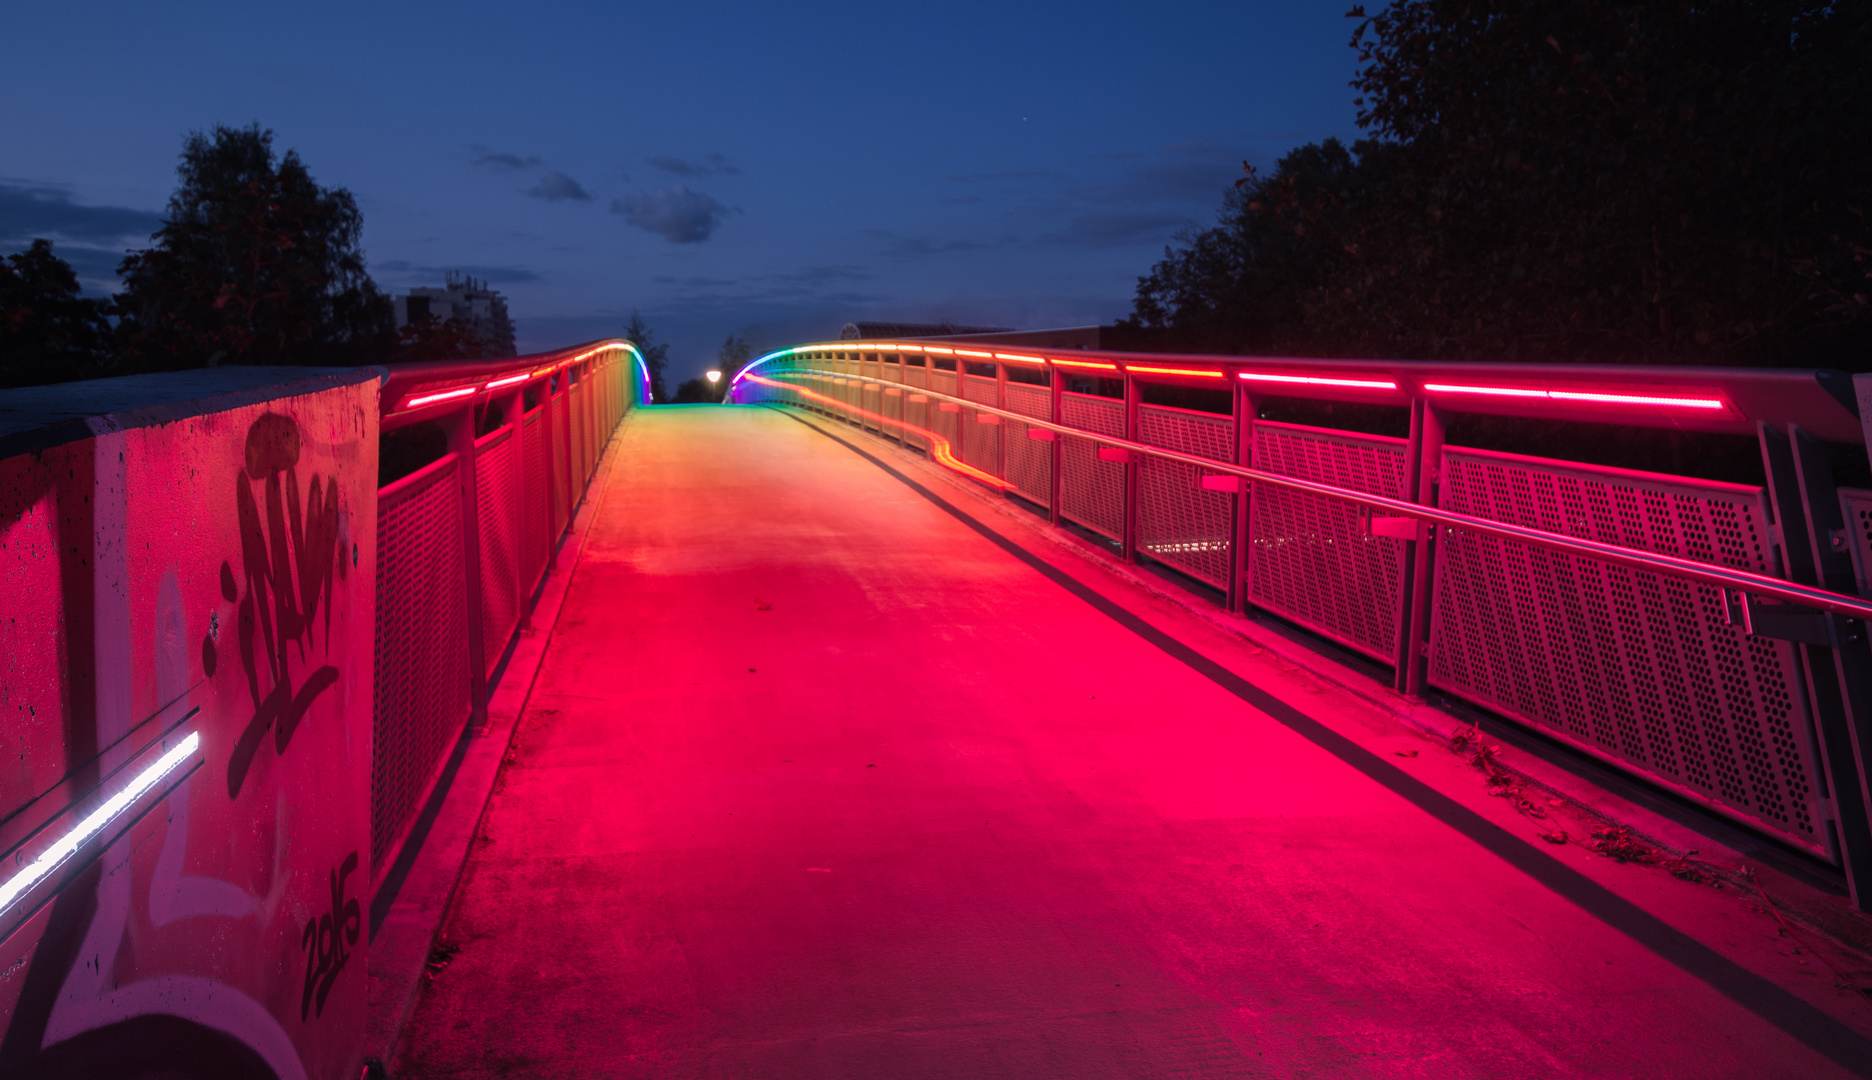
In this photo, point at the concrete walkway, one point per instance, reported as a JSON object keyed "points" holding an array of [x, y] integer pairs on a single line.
{"points": [[826, 776]]}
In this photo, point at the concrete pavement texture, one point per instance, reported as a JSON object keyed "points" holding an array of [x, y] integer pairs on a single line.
{"points": [[827, 773]]}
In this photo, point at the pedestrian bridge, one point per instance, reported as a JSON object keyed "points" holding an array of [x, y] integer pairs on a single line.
{"points": [[934, 708]]}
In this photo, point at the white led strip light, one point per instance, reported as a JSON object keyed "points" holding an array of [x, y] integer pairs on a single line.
{"points": [[95, 822]]}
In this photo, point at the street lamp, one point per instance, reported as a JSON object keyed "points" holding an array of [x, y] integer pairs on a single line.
{"points": [[713, 377]]}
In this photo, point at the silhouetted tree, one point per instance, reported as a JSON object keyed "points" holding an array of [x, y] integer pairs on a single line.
{"points": [[1661, 180], [728, 359], [430, 338], [655, 356], [255, 264], [48, 332]]}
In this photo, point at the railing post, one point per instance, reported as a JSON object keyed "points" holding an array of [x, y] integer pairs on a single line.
{"points": [[1001, 442], [514, 409], [550, 474], [1839, 679], [461, 441], [1423, 460], [1057, 448], [1241, 547], [1133, 393]]}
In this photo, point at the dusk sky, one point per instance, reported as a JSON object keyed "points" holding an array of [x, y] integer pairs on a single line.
{"points": [[768, 170]]}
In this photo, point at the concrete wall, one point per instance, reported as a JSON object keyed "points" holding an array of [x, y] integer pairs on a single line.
{"points": [[199, 562]]}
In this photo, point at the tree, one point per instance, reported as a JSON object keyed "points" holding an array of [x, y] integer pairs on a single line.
{"points": [[255, 264], [430, 338], [1653, 180], [48, 332], [728, 360], [655, 356]]}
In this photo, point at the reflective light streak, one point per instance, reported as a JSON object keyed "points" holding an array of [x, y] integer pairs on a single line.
{"points": [[1597, 397], [940, 451], [95, 822], [1315, 380], [443, 396], [1174, 371]]}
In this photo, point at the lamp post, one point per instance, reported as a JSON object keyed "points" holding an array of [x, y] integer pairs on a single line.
{"points": [[714, 381]]}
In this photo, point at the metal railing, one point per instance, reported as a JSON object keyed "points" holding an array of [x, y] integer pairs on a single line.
{"points": [[1708, 636], [465, 541]]}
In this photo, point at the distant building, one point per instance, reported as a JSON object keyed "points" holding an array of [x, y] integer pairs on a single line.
{"points": [[471, 302], [861, 330]]}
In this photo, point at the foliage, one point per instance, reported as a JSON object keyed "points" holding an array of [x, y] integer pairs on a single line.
{"points": [[48, 332], [430, 338], [655, 355], [255, 264], [729, 359], [1653, 180]]}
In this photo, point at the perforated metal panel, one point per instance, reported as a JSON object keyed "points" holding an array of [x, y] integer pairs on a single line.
{"points": [[1856, 509], [1308, 561], [536, 529], [499, 516], [981, 443], [1029, 461], [557, 462], [420, 693], [1091, 490], [1634, 666], [1179, 523], [916, 414], [946, 424]]}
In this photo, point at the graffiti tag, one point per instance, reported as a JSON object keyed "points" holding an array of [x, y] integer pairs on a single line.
{"points": [[328, 940]]}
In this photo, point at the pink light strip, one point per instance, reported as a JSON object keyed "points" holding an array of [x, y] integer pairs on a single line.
{"points": [[510, 380], [1597, 397], [1315, 380], [443, 396]]}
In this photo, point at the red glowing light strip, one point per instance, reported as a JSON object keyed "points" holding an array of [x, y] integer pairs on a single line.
{"points": [[1086, 363], [972, 352], [1581, 395], [935, 349], [510, 380], [939, 446], [1311, 380], [1017, 358], [443, 396], [1176, 371]]}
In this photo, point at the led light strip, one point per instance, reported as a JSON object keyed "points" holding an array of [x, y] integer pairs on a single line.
{"points": [[1175, 371], [1315, 380], [1580, 395], [445, 395], [939, 446], [1019, 359], [95, 822], [1087, 364], [510, 380]]}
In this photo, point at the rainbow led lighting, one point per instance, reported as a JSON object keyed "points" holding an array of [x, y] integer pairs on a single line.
{"points": [[1174, 371], [1594, 396], [1316, 380], [96, 821]]}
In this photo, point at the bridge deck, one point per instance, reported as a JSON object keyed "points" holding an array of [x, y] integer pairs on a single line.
{"points": [[819, 780]]}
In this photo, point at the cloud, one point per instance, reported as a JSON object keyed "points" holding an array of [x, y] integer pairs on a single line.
{"points": [[29, 210], [493, 275], [677, 214], [497, 160], [709, 165], [554, 186]]}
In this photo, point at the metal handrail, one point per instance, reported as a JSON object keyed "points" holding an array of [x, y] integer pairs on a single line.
{"points": [[1707, 573]]}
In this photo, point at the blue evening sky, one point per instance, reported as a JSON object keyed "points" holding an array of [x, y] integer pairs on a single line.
{"points": [[768, 170]]}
